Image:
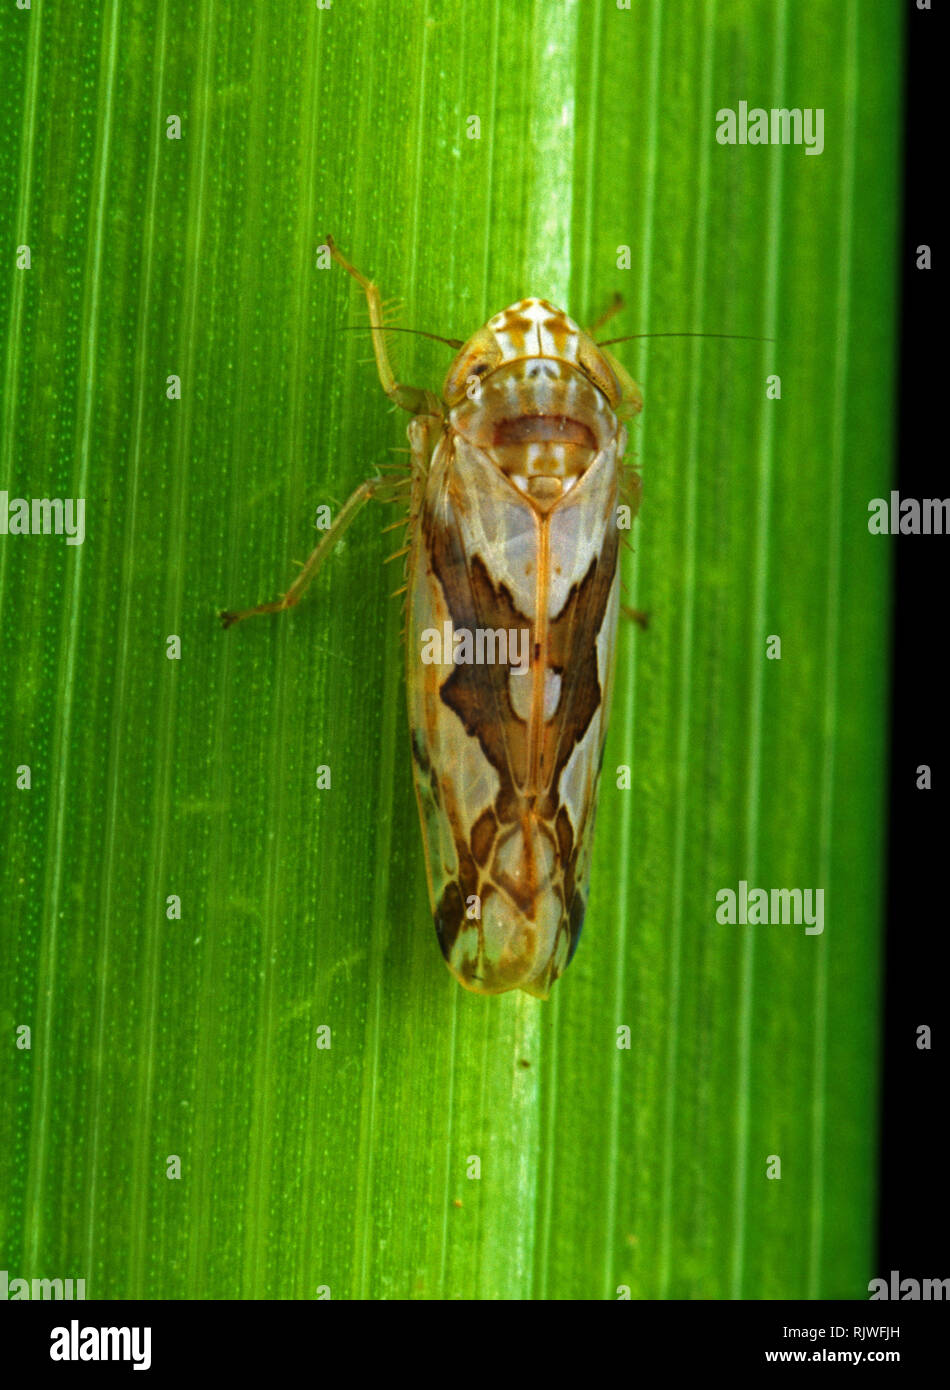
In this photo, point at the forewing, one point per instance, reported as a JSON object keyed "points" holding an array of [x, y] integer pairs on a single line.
{"points": [[507, 798]]}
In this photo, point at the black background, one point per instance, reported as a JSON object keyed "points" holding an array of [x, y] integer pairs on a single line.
{"points": [[913, 1210]]}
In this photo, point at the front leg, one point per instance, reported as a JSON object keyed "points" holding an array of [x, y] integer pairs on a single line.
{"points": [[411, 398], [423, 432]]}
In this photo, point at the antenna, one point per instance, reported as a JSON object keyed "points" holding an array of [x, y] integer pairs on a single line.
{"points": [[391, 328], [736, 337]]}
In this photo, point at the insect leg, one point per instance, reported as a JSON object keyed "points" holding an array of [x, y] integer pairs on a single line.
{"points": [[411, 398], [354, 504], [614, 307], [630, 490], [636, 615]]}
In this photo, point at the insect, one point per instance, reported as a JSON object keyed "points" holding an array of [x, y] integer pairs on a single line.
{"points": [[515, 487]]}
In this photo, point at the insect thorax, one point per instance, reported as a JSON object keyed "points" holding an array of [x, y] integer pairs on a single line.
{"points": [[536, 394], [541, 421]]}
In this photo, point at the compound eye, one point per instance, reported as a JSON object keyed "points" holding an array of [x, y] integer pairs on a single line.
{"points": [[596, 368], [478, 357]]}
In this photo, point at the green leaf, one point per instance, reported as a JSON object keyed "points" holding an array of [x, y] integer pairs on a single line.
{"points": [[352, 1167]]}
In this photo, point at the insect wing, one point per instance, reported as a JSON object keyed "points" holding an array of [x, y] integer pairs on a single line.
{"points": [[507, 753]]}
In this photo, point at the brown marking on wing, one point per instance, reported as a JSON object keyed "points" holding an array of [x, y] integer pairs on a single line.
{"points": [[449, 918], [576, 921], [572, 650], [480, 697], [565, 843], [483, 836]]}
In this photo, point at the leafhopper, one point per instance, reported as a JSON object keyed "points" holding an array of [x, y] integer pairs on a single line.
{"points": [[514, 486]]}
